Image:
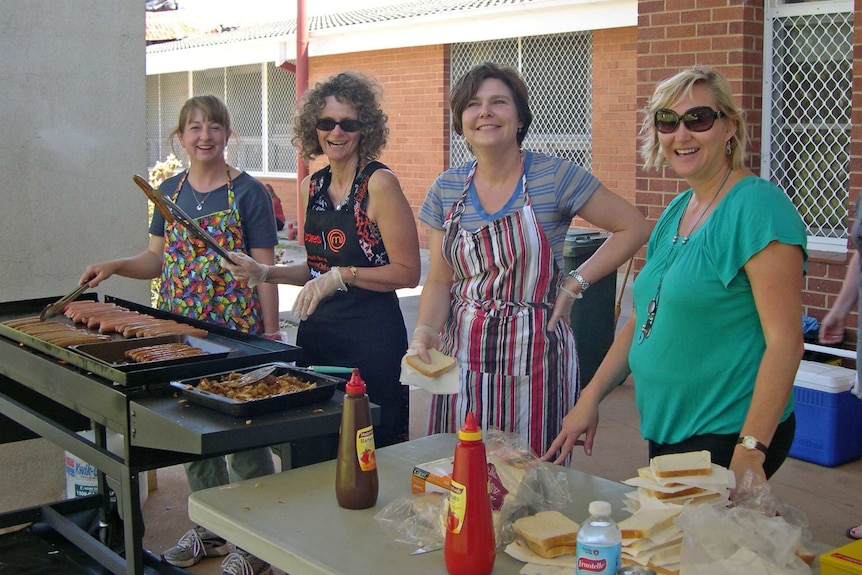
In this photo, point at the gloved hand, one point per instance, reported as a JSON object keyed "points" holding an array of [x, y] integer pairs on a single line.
{"points": [[424, 338], [317, 290], [246, 268]]}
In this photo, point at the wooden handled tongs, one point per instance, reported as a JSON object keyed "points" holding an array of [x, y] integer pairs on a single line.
{"points": [[172, 212]]}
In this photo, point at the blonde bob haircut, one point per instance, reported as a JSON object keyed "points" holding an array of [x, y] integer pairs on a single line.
{"points": [[669, 91]]}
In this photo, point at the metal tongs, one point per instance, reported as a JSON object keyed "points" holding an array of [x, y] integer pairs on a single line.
{"points": [[252, 376], [172, 212], [56, 308]]}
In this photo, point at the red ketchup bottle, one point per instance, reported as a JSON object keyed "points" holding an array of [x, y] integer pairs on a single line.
{"points": [[470, 547], [356, 466]]}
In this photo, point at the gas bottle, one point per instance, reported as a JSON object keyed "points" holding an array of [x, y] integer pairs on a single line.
{"points": [[470, 547], [356, 482]]}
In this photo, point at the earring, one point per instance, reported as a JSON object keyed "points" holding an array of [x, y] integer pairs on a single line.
{"points": [[728, 148]]}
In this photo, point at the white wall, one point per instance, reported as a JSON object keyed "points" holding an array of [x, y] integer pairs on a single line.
{"points": [[73, 108], [73, 117]]}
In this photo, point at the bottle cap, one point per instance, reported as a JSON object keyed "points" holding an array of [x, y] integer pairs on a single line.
{"points": [[470, 431], [355, 385], [600, 508]]}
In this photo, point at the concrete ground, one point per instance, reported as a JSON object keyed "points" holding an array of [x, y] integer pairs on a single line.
{"points": [[831, 498]]}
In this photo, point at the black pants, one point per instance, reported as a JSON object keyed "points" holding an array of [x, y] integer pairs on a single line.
{"points": [[721, 446]]}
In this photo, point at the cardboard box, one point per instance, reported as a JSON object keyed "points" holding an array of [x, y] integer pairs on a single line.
{"points": [[434, 476], [828, 416], [846, 560]]}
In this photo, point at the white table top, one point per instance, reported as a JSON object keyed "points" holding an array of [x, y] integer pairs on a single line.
{"points": [[292, 519]]}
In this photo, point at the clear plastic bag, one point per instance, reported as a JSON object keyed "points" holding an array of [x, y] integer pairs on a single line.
{"points": [[520, 484], [759, 535]]}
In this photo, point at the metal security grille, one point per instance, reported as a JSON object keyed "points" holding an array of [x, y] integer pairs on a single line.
{"points": [[261, 100], [560, 94], [807, 131]]}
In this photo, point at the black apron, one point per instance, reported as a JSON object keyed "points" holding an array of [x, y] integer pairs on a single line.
{"points": [[357, 328]]}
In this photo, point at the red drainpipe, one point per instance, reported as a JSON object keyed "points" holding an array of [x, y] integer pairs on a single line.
{"points": [[301, 71]]}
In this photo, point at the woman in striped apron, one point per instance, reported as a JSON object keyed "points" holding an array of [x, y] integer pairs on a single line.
{"points": [[495, 296]]}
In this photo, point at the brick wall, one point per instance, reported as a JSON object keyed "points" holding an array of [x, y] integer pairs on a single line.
{"points": [[614, 111]]}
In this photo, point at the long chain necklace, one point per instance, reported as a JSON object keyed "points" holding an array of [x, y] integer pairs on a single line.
{"points": [[200, 203], [652, 306], [700, 217]]}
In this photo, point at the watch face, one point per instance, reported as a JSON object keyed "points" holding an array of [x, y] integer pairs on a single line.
{"points": [[749, 442]]}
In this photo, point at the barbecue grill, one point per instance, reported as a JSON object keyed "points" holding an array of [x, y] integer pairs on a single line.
{"points": [[53, 392]]}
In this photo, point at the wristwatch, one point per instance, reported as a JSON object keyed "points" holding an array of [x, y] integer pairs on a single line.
{"points": [[750, 442], [580, 279]]}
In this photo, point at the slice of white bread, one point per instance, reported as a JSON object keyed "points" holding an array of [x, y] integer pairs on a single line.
{"points": [[647, 522], [662, 495], [440, 363], [549, 534], [681, 464]]}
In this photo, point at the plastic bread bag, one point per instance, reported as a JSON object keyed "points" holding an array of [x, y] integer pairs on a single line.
{"points": [[519, 484], [759, 535]]}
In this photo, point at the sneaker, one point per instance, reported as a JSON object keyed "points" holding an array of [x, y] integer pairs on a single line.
{"points": [[196, 544], [244, 563]]}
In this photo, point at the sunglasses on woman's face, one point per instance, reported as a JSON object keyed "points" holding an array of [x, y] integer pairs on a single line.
{"points": [[697, 119], [348, 125]]}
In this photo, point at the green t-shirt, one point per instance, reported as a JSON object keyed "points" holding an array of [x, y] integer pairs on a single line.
{"points": [[695, 373]]}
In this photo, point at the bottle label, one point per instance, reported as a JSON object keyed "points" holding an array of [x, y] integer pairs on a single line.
{"points": [[598, 559], [457, 504], [365, 448]]}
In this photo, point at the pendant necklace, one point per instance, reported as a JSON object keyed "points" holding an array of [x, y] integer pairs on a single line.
{"points": [[652, 306], [200, 203], [349, 187]]}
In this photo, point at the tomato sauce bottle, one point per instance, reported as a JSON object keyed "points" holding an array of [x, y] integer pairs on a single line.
{"points": [[356, 482], [470, 548]]}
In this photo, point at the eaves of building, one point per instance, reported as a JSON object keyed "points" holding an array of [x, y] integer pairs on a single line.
{"points": [[410, 24]]}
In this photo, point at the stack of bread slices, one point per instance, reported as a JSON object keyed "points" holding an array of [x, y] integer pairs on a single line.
{"points": [[548, 534], [650, 537]]}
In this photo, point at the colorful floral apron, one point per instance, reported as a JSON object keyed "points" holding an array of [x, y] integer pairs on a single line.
{"points": [[515, 375], [195, 284]]}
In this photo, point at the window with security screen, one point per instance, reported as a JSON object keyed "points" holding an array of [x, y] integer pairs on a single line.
{"points": [[809, 74], [260, 98], [560, 94]]}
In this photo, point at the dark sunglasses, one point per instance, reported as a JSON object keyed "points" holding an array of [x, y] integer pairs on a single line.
{"points": [[348, 125], [698, 119]]}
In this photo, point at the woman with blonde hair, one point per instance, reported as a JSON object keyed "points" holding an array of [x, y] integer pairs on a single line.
{"points": [[715, 338]]}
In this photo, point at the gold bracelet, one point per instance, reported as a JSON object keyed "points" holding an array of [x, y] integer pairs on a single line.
{"points": [[353, 277]]}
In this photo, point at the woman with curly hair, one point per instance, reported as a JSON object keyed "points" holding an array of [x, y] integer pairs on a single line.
{"points": [[361, 245]]}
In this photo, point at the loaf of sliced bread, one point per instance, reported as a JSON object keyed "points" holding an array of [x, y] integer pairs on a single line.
{"points": [[548, 534], [647, 522], [682, 464], [440, 363]]}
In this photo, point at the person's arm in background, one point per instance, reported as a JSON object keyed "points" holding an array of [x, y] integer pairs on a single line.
{"points": [[629, 231], [776, 277], [435, 301], [832, 326]]}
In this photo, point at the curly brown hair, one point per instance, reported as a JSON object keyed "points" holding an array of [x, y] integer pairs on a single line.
{"points": [[352, 88]]}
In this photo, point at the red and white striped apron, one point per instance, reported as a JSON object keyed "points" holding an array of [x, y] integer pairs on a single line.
{"points": [[515, 375]]}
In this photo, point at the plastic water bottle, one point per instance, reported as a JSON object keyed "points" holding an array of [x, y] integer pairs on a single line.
{"points": [[599, 542]]}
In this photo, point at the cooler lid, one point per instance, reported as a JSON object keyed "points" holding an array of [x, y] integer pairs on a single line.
{"points": [[824, 377]]}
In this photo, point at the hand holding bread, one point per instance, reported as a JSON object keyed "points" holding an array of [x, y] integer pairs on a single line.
{"points": [[440, 363]]}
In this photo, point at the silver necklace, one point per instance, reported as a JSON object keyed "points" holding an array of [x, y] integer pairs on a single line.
{"points": [[652, 306], [200, 203], [700, 217]]}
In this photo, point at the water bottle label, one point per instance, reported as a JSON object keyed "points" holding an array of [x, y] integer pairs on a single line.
{"points": [[598, 559], [365, 448], [457, 504]]}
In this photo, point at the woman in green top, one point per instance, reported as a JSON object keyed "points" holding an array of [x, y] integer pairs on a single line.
{"points": [[715, 338]]}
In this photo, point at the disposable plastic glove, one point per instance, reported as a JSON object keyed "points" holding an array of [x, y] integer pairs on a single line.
{"points": [[246, 268], [424, 338], [317, 290]]}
